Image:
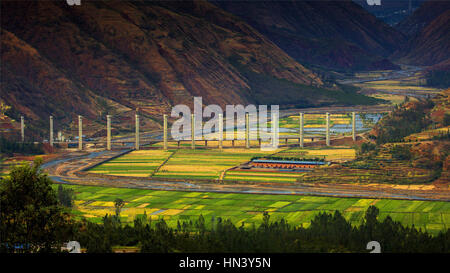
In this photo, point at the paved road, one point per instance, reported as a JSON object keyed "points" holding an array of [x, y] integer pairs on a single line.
{"points": [[70, 169]]}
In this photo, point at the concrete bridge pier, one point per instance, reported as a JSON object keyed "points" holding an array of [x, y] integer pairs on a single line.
{"points": [[80, 133], [301, 132], [354, 126], [108, 132], [220, 131], [328, 129], [165, 132], [247, 131], [192, 131], [137, 132]]}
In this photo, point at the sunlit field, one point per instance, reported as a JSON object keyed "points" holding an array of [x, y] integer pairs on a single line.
{"points": [[172, 206], [205, 164], [212, 163], [137, 163]]}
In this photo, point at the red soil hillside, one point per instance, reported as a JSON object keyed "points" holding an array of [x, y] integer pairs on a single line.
{"points": [[332, 34], [115, 56]]}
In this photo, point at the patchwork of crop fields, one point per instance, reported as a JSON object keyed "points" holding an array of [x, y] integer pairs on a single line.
{"points": [[395, 90], [211, 163], [205, 164], [183, 163], [95, 202]]}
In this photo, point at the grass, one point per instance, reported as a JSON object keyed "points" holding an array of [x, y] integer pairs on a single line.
{"points": [[94, 202]]}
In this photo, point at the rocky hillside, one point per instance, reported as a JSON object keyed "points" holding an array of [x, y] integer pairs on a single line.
{"points": [[115, 56], [332, 34]]}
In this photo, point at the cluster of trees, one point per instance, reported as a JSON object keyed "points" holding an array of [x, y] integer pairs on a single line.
{"points": [[65, 196], [401, 152], [403, 122], [32, 220], [366, 147], [327, 233], [438, 78], [446, 120], [9, 147]]}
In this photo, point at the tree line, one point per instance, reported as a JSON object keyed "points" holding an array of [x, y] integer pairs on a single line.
{"points": [[9, 147], [403, 121]]}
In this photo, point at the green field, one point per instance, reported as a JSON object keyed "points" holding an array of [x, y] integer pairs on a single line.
{"points": [[183, 163], [94, 202], [137, 163]]}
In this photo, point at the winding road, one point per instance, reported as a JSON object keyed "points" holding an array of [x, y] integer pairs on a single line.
{"points": [[70, 168]]}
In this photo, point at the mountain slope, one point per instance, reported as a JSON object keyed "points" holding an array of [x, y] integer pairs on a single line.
{"points": [[334, 34], [116, 56], [427, 12], [429, 29], [113, 57]]}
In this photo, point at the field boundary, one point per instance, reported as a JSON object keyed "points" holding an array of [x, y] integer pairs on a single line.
{"points": [[85, 169], [162, 164]]}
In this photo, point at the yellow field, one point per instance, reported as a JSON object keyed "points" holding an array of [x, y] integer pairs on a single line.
{"points": [[330, 154], [394, 99]]}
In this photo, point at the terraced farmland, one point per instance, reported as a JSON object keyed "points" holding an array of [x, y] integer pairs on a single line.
{"points": [[205, 164], [380, 168], [94, 202]]}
